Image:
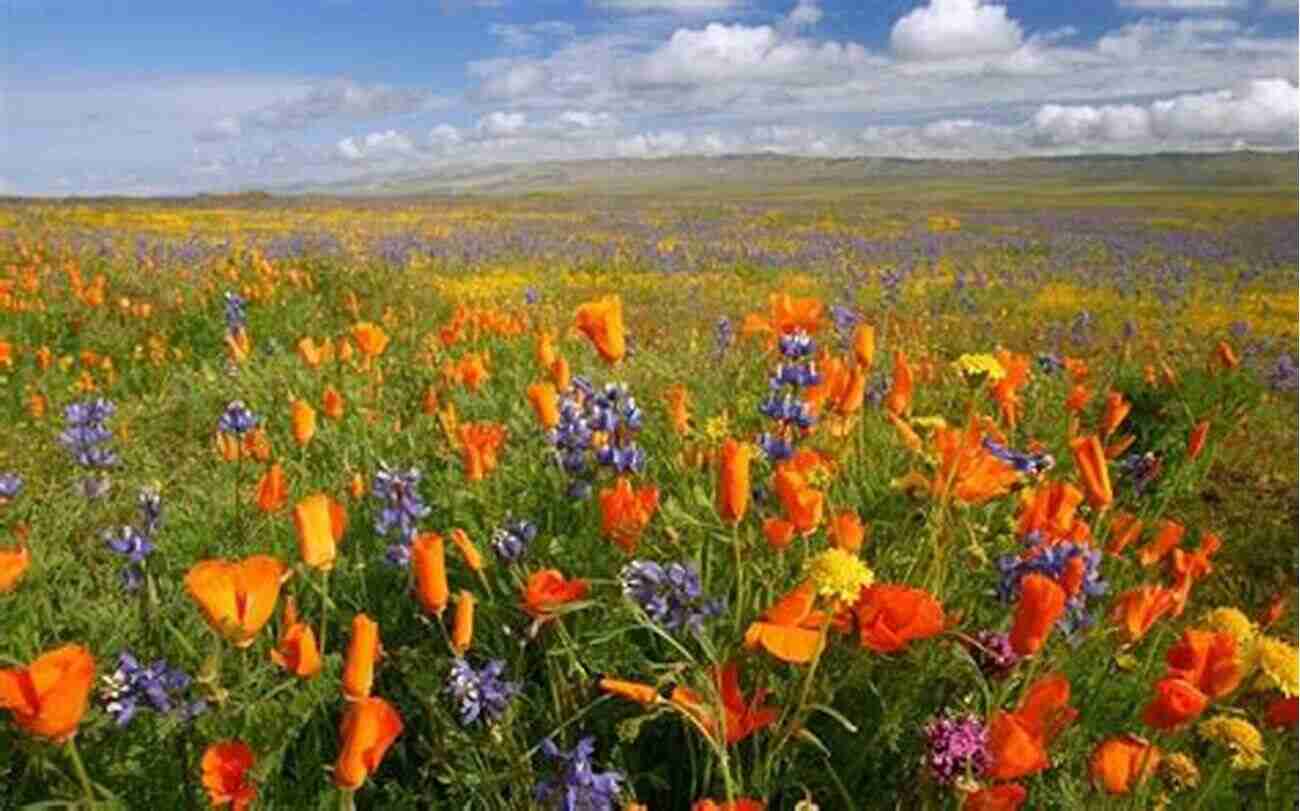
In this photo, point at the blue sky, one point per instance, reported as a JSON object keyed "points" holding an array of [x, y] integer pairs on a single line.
{"points": [[114, 96]]}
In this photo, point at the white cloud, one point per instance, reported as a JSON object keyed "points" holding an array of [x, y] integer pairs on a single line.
{"points": [[1182, 6], [524, 36], [805, 13], [1257, 109], [945, 29], [388, 144], [1140, 40], [1280, 6], [445, 134], [222, 129], [1062, 125], [501, 124], [583, 119], [722, 53]]}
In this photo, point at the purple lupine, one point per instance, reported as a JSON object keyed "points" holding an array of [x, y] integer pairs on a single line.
{"points": [[576, 785], [510, 542], [1051, 560], [237, 419], [480, 695], [956, 746], [1284, 376], [1031, 464], [11, 484], [133, 687], [401, 509], [993, 653], [671, 595]]}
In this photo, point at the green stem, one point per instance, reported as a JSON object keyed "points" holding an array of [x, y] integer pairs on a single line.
{"points": [[324, 607], [347, 800], [82, 776]]}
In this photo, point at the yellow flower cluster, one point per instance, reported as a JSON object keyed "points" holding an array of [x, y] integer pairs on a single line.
{"points": [[978, 368], [1279, 664], [839, 574], [1239, 736]]}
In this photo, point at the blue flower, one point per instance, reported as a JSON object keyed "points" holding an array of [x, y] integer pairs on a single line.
{"points": [[796, 345], [511, 541], [1285, 375], [576, 785], [482, 694], [85, 436], [236, 317], [798, 375], [1051, 560], [133, 687], [11, 484], [237, 419], [1050, 364], [956, 746], [724, 335], [402, 508], [670, 595], [1031, 464], [787, 410], [775, 447]]}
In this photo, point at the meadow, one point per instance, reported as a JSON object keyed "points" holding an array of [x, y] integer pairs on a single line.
{"points": [[929, 496]]}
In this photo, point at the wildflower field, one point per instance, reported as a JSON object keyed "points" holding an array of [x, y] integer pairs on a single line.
{"points": [[969, 499]]}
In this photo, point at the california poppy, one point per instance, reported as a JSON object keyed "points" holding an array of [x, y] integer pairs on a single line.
{"points": [[368, 728], [1176, 703], [1207, 660], [1196, 441], [429, 403], [846, 531], [1018, 740], [296, 651], [429, 563], [967, 470], [1005, 392], [560, 374], [47, 698], [899, 399], [237, 597], [462, 630], [889, 617], [1090, 463], [679, 417], [1125, 528], [319, 522], [1078, 398], [1168, 535], [1136, 610], [468, 551], [733, 481], [545, 350], [548, 590], [602, 322], [1120, 763], [311, 354], [1117, 409], [1050, 510], [332, 403], [480, 445], [790, 630], [864, 345], [1188, 567], [472, 371], [1224, 357], [743, 717], [741, 804], [786, 314], [1041, 604], [624, 512], [272, 492], [1283, 712], [364, 649], [226, 766], [778, 532], [546, 404], [256, 445], [644, 694], [1002, 797], [13, 563], [371, 339]]}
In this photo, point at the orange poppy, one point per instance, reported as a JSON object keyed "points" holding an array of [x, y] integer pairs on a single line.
{"points": [[909, 437], [256, 445], [801, 504], [1207, 660], [545, 350], [429, 562], [371, 338], [1078, 398], [1176, 703], [967, 469], [624, 512], [462, 630], [237, 597], [785, 315], [368, 728], [1077, 368], [637, 692], [319, 522], [560, 374], [311, 354], [779, 532], [468, 551], [899, 399], [13, 564], [364, 649], [1117, 448], [1117, 409], [332, 403], [228, 446], [733, 481], [546, 404], [742, 804], [864, 345], [296, 650], [1125, 528], [239, 345], [1120, 764], [602, 322], [1041, 604], [1188, 567], [344, 351], [1274, 610], [48, 697], [547, 591], [743, 717], [1136, 610], [1004, 797], [790, 630], [1196, 441], [1051, 511], [1168, 535], [889, 617], [272, 492], [1018, 740], [1005, 392], [1283, 712], [1224, 357], [480, 444], [847, 532], [679, 416], [1090, 463], [226, 766]]}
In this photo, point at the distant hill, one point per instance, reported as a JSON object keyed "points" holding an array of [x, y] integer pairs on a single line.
{"points": [[613, 176]]}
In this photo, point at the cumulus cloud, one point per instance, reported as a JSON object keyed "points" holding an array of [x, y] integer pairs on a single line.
{"points": [[524, 36], [946, 29], [376, 145], [319, 102], [804, 14], [502, 124], [722, 53]]}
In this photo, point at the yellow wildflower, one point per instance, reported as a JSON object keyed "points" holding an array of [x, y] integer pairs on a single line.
{"points": [[1180, 770], [1233, 621], [1239, 736], [978, 368], [1279, 665], [839, 574]]}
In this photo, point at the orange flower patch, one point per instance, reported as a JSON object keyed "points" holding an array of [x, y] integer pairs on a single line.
{"points": [[48, 698], [237, 598]]}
